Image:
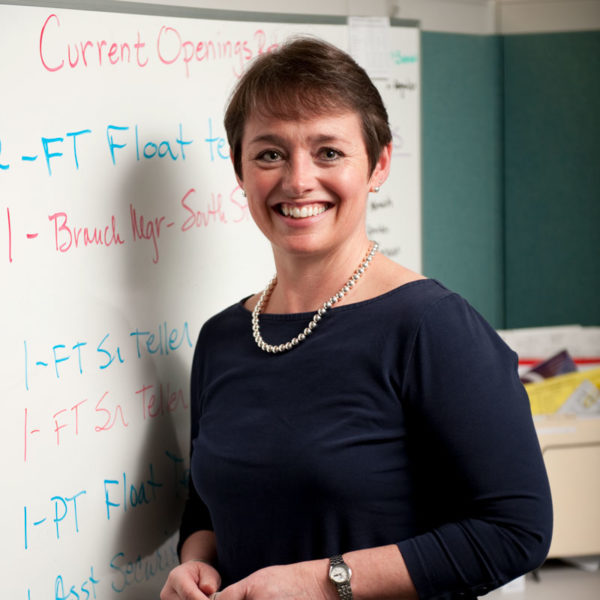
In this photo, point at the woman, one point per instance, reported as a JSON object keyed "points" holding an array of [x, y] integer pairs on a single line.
{"points": [[356, 431]]}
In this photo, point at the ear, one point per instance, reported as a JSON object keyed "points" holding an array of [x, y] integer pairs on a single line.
{"points": [[382, 168]]}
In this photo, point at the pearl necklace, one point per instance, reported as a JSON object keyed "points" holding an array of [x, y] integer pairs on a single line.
{"points": [[264, 298]]}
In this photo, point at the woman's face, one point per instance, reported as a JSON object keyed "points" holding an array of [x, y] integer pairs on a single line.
{"points": [[307, 181]]}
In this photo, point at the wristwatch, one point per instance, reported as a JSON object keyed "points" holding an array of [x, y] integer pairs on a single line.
{"points": [[340, 574]]}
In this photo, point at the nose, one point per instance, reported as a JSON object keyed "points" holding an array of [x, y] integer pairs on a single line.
{"points": [[299, 176]]}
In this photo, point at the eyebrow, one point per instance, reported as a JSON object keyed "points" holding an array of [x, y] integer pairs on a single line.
{"points": [[273, 138], [267, 137]]}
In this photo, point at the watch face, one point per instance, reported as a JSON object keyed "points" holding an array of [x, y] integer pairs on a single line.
{"points": [[339, 574]]}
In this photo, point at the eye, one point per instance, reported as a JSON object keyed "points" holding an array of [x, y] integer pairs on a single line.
{"points": [[270, 156], [330, 154]]}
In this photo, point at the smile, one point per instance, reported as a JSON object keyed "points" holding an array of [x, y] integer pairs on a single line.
{"points": [[302, 212]]}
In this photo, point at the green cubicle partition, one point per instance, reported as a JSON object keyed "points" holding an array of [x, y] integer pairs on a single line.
{"points": [[511, 174]]}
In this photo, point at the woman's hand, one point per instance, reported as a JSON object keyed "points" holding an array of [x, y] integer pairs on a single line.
{"points": [[300, 581], [192, 580]]}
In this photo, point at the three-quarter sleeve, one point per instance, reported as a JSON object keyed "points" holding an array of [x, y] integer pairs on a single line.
{"points": [[477, 458]]}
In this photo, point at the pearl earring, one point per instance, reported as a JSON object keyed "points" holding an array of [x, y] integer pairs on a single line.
{"points": [[376, 189]]}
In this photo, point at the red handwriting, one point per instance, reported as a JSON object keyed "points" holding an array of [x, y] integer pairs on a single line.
{"points": [[9, 236], [172, 47], [213, 213], [111, 417], [85, 52], [67, 236], [28, 431], [242, 212], [58, 425], [157, 405], [79, 420], [199, 212], [147, 229]]}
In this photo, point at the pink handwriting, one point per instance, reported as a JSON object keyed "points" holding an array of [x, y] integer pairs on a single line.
{"points": [[67, 236], [84, 418], [84, 52]]}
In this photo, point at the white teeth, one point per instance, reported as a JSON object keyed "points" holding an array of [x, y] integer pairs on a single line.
{"points": [[296, 212]]}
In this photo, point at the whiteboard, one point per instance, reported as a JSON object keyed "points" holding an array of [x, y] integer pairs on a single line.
{"points": [[122, 230]]}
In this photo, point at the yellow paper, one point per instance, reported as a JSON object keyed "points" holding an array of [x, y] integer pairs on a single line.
{"points": [[548, 396]]}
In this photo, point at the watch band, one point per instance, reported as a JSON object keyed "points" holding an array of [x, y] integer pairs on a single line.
{"points": [[343, 588]]}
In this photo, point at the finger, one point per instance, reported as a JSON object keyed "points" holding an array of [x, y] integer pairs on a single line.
{"points": [[176, 593], [210, 581], [186, 587], [232, 592]]}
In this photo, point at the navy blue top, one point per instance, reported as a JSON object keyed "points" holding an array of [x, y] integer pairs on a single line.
{"points": [[401, 419]]}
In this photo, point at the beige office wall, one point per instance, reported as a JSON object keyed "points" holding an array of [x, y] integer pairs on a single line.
{"points": [[546, 16], [481, 17], [453, 16]]}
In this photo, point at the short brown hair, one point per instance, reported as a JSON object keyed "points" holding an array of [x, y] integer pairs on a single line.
{"points": [[306, 77]]}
